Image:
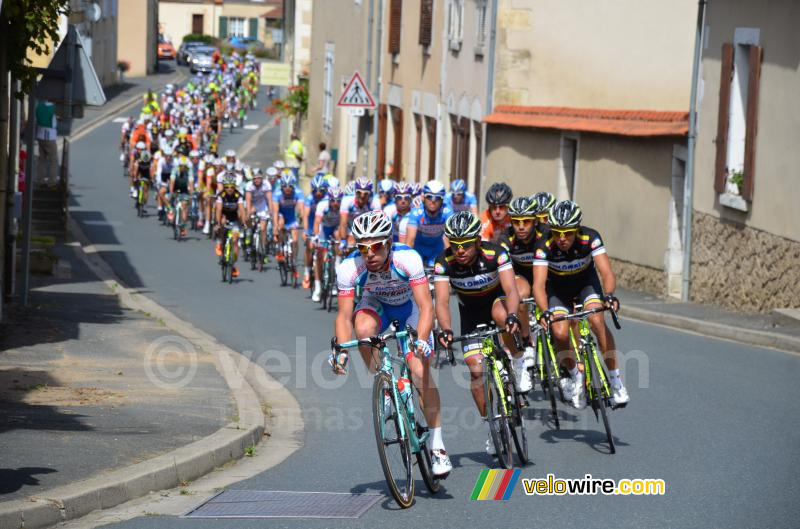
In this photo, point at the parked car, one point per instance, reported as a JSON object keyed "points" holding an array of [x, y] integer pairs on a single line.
{"points": [[201, 59], [246, 43], [184, 55], [166, 50]]}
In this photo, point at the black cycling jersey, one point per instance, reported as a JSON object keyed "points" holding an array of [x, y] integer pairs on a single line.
{"points": [[144, 169], [182, 181], [476, 281], [576, 265], [230, 205], [521, 253]]}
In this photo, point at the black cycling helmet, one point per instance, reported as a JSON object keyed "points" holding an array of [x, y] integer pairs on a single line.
{"points": [[545, 200], [523, 207], [462, 225], [499, 193], [565, 214]]}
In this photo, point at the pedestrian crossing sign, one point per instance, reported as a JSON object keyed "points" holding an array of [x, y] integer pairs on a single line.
{"points": [[356, 94]]}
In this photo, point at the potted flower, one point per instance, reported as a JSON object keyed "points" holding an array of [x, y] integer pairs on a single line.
{"points": [[122, 67], [736, 181]]}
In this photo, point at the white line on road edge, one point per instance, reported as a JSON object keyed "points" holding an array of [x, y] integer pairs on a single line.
{"points": [[121, 119], [253, 142], [184, 464], [252, 126]]}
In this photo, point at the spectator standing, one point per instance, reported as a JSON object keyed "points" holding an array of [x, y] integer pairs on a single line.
{"points": [[324, 160], [46, 136]]}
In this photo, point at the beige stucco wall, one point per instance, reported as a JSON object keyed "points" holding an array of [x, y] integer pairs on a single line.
{"points": [[176, 17], [627, 54], [776, 194], [413, 69], [350, 54], [137, 35], [623, 185]]}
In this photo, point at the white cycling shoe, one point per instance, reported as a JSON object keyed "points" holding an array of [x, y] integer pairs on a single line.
{"points": [[490, 446], [206, 228], [528, 355], [619, 396], [440, 463], [317, 295], [523, 376], [567, 387], [578, 398]]}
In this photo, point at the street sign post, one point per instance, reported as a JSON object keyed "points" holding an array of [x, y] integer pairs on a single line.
{"points": [[356, 95]]}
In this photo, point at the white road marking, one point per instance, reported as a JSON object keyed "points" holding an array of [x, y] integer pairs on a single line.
{"points": [[121, 119], [251, 127]]}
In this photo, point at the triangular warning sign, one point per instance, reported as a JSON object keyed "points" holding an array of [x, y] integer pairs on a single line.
{"points": [[356, 94]]}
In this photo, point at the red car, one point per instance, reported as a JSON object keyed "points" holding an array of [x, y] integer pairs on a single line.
{"points": [[166, 50]]}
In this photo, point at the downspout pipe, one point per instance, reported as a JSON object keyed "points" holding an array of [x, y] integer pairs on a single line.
{"points": [[489, 87], [379, 50], [688, 206], [370, 26]]}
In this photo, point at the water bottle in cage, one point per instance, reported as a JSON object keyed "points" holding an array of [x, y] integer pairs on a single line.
{"points": [[404, 387]]}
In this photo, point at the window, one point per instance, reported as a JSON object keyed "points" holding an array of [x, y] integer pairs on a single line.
{"points": [[480, 27], [236, 27], [425, 22], [197, 24], [327, 105], [395, 25], [569, 167], [455, 24], [737, 119]]}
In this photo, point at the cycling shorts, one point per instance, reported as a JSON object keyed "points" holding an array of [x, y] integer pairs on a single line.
{"points": [[474, 313], [586, 290], [326, 233], [406, 313]]}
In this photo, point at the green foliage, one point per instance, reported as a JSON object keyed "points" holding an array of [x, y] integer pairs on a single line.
{"points": [[737, 178], [296, 102], [29, 24], [197, 37]]}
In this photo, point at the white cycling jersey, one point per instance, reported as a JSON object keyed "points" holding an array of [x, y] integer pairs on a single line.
{"points": [[391, 286], [259, 195], [330, 218]]}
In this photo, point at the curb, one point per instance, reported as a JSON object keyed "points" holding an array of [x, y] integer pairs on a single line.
{"points": [[716, 330], [167, 470]]}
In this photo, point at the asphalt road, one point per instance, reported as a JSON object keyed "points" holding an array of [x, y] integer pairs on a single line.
{"points": [[715, 420]]}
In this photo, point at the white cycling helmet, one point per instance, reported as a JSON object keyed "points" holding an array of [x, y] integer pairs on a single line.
{"points": [[271, 171], [279, 164], [141, 145], [167, 151], [373, 224]]}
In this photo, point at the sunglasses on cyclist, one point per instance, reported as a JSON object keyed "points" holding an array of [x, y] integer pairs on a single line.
{"points": [[430, 196], [498, 206], [521, 221], [564, 233], [542, 217], [402, 197], [376, 247], [228, 188], [463, 244], [363, 193]]}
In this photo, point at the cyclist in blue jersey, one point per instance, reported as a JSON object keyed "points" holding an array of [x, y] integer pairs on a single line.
{"points": [[386, 191], [398, 211], [287, 209], [362, 201], [319, 187], [425, 230], [326, 227], [459, 199]]}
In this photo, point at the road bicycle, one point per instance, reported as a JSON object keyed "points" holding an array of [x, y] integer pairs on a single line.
{"points": [[177, 225], [194, 211], [258, 252], [598, 390], [504, 403], [328, 278], [286, 260], [141, 193], [228, 259], [401, 431], [546, 367], [438, 362]]}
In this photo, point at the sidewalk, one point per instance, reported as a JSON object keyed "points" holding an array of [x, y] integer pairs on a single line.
{"points": [[79, 393], [766, 330]]}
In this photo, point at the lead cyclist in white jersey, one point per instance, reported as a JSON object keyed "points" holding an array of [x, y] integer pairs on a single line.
{"points": [[394, 286]]}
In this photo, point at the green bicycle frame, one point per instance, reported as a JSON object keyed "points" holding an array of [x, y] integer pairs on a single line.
{"points": [[540, 346], [487, 350], [586, 343]]}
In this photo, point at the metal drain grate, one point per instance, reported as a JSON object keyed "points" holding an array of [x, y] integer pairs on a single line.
{"points": [[284, 504]]}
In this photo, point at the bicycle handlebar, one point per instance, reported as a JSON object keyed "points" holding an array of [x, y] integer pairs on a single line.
{"points": [[377, 340], [585, 313]]}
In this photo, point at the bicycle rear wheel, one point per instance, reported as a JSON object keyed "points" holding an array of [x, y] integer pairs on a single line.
{"points": [[424, 454], [519, 430], [550, 381], [394, 448], [283, 268], [496, 415], [599, 397]]}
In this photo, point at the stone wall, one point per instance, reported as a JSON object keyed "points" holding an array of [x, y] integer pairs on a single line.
{"points": [[639, 277], [742, 268]]}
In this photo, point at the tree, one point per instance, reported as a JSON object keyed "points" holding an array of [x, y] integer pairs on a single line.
{"points": [[29, 24]]}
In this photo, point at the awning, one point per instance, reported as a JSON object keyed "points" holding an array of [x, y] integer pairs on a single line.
{"points": [[602, 121]]}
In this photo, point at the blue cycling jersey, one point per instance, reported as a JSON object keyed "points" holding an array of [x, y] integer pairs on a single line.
{"points": [[469, 201], [430, 230], [287, 206], [311, 205]]}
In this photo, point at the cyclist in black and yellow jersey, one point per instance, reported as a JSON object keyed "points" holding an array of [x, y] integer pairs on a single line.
{"points": [[520, 244], [570, 264], [482, 275]]}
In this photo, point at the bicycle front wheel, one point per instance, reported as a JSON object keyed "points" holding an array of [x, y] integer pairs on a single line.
{"points": [[424, 454], [599, 397], [496, 415], [550, 382], [391, 434]]}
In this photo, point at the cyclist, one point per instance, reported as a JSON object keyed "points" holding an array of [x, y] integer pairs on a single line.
{"points": [[495, 221], [142, 171], [482, 275], [326, 227], [287, 209], [181, 186], [319, 187], [571, 263], [361, 201], [394, 286], [258, 199], [520, 245], [425, 229], [398, 211], [163, 172], [229, 204], [459, 199], [386, 192]]}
